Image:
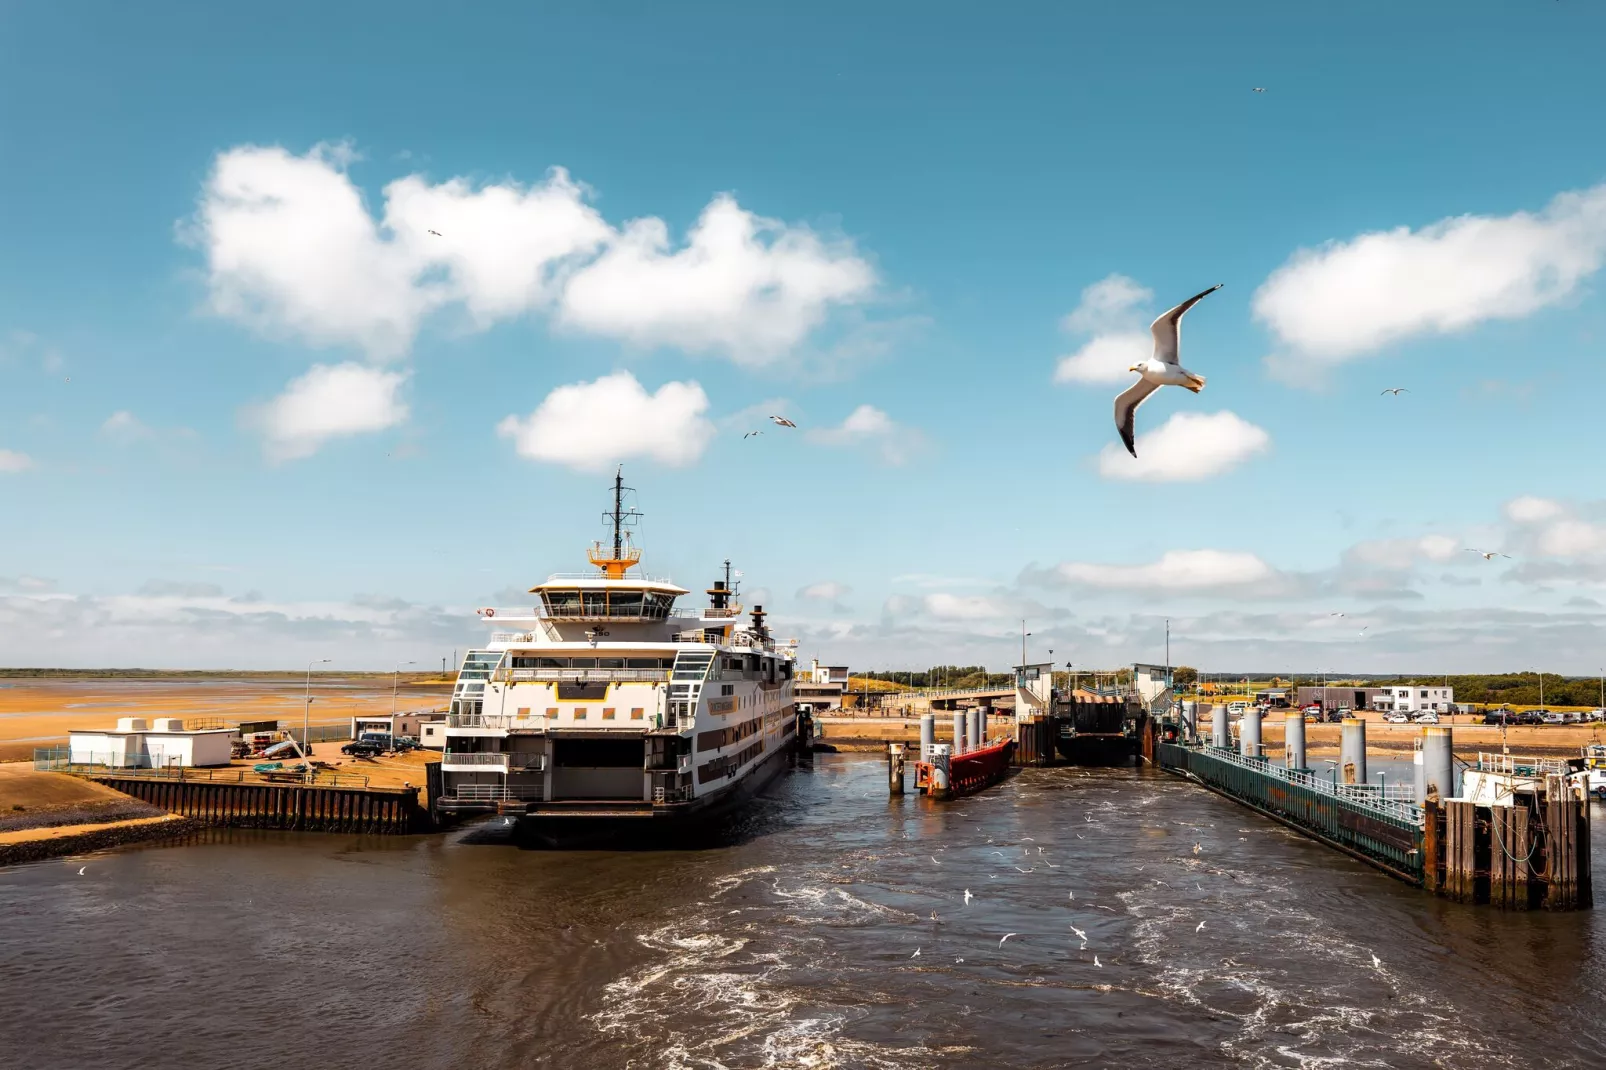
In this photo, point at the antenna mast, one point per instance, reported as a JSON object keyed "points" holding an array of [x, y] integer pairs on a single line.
{"points": [[624, 555]]}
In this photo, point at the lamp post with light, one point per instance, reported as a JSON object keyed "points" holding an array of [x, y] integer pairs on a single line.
{"points": [[306, 718], [395, 683]]}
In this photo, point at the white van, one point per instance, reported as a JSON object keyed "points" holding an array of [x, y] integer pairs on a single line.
{"points": [[1236, 709]]}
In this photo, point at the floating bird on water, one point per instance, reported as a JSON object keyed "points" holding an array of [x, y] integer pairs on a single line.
{"points": [[781, 421], [1377, 963], [1396, 391], [1006, 937], [1197, 848], [1097, 963], [1070, 896], [1488, 555], [1162, 369]]}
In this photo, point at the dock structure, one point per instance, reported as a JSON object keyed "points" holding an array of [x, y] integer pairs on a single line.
{"points": [[1515, 835], [227, 802]]}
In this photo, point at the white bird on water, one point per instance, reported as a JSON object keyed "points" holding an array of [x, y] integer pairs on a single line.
{"points": [[1097, 963], [1377, 963], [1080, 935], [1162, 369], [916, 954], [968, 897], [81, 870], [1006, 937], [1199, 928]]}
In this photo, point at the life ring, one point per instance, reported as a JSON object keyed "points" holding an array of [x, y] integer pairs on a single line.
{"points": [[490, 612]]}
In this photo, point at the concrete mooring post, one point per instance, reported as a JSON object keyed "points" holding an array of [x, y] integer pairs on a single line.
{"points": [[1249, 733], [1420, 771], [895, 768], [940, 788], [1352, 751], [928, 735], [1438, 764], [1220, 729], [959, 732], [1294, 740], [978, 728], [1190, 720]]}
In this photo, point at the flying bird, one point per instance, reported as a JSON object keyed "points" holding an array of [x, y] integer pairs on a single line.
{"points": [[1162, 369], [81, 870], [968, 897], [1259, 89], [1080, 935], [1197, 848], [1488, 555], [750, 434], [1097, 963], [1335, 614], [1198, 929], [436, 233], [916, 954], [781, 421], [1006, 937], [1377, 963], [934, 861], [1396, 391]]}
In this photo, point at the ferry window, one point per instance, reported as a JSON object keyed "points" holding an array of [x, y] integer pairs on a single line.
{"points": [[657, 605], [561, 602], [594, 603], [524, 663], [610, 663], [643, 663], [624, 604], [583, 663], [551, 663]]}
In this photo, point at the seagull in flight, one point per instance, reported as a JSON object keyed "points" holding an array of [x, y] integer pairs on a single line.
{"points": [[968, 897], [1259, 89], [1097, 963], [916, 954], [1198, 929], [1488, 555], [1006, 937], [750, 434], [81, 870], [781, 421], [1080, 935], [1377, 963], [1396, 391], [436, 233], [1159, 370]]}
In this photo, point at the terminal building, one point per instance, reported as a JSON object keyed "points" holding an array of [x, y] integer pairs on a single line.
{"points": [[820, 687], [161, 743], [1396, 698]]}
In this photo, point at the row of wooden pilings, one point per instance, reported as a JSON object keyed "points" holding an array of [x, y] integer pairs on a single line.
{"points": [[305, 807], [1530, 856]]}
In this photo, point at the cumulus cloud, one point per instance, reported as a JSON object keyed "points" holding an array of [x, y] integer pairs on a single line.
{"points": [[870, 426], [1347, 298], [12, 462], [124, 426], [1110, 311], [292, 249], [590, 426], [1188, 446], [179, 589], [1531, 510], [1400, 554], [1178, 571], [825, 591], [26, 584], [329, 401]]}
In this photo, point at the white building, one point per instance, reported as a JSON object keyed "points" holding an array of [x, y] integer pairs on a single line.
{"points": [[1398, 699], [161, 744], [821, 687]]}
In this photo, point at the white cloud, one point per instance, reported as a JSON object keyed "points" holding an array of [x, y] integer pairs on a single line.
{"points": [[1573, 538], [826, 591], [1344, 299], [590, 426], [945, 606], [1188, 446], [1110, 311], [1177, 570], [11, 461], [729, 289], [291, 248], [123, 425], [868, 425], [1531, 510], [327, 402], [1399, 554]]}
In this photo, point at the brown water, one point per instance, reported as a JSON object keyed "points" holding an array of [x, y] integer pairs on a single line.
{"points": [[792, 943]]}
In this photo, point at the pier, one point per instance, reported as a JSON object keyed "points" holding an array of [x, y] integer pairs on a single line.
{"points": [[1512, 833], [234, 799]]}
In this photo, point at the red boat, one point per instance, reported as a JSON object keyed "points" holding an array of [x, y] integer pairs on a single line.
{"points": [[970, 772]]}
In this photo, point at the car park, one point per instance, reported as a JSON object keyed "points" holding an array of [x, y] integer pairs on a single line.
{"points": [[1595, 715], [1397, 718]]}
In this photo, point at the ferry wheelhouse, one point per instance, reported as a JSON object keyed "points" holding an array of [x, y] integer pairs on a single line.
{"points": [[606, 701]]}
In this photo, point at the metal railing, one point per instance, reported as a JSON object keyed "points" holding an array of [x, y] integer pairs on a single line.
{"points": [[1395, 801], [585, 676], [512, 637], [497, 793], [1516, 765], [476, 758], [516, 612]]}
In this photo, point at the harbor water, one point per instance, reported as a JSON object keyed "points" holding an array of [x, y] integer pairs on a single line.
{"points": [[1116, 917]]}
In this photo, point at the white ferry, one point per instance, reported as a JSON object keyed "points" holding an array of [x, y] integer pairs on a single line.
{"points": [[604, 706]]}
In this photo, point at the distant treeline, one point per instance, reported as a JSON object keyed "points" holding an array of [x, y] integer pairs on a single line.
{"points": [[1515, 688]]}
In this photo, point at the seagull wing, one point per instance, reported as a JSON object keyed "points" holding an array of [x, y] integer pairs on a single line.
{"points": [[1167, 329], [1126, 407]]}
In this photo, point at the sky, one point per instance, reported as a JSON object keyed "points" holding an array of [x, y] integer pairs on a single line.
{"points": [[325, 326]]}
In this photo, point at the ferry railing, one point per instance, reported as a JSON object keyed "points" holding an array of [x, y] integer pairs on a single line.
{"points": [[497, 793], [497, 759], [1395, 801], [1514, 765], [584, 676]]}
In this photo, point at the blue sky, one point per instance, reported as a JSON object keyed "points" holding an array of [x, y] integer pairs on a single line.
{"points": [[252, 412]]}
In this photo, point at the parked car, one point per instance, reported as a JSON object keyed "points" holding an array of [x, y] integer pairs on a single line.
{"points": [[1397, 718], [1529, 717], [1499, 717], [362, 748], [1236, 708], [1574, 717], [1595, 715], [1426, 717], [1552, 717]]}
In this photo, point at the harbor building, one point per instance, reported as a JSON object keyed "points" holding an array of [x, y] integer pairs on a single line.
{"points": [[821, 687], [161, 743]]}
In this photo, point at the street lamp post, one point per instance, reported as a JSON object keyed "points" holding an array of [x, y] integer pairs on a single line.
{"points": [[1023, 634], [306, 718], [395, 683]]}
